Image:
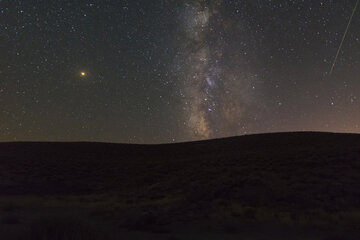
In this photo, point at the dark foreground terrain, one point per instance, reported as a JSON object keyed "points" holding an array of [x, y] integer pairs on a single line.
{"points": [[268, 186]]}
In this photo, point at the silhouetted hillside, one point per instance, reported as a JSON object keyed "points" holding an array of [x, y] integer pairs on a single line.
{"points": [[242, 176], [300, 169]]}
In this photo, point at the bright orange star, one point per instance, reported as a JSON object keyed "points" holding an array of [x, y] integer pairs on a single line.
{"points": [[83, 74]]}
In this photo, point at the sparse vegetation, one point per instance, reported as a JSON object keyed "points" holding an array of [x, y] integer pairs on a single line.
{"points": [[60, 229], [8, 206], [291, 181], [10, 220]]}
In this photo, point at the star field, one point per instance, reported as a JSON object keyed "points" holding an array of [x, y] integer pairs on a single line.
{"points": [[145, 72]]}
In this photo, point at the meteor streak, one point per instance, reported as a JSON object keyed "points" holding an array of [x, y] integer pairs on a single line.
{"points": [[343, 38]]}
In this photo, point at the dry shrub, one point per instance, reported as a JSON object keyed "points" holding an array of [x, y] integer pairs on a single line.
{"points": [[8, 207], [10, 220], [60, 228]]}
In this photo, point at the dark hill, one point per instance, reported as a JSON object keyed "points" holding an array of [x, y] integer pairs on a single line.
{"points": [[301, 178], [297, 169]]}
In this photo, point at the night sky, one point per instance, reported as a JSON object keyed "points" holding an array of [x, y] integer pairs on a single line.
{"points": [[170, 71]]}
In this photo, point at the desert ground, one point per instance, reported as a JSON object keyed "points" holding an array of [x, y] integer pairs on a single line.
{"points": [[303, 185]]}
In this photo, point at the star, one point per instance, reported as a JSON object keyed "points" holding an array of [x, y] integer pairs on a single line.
{"points": [[199, 70]]}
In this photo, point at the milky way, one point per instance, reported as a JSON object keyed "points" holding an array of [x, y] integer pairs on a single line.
{"points": [[175, 71], [216, 95]]}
